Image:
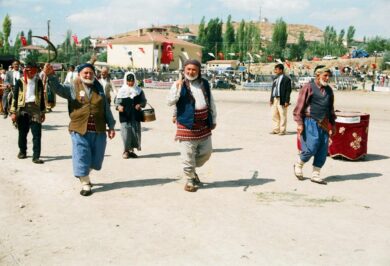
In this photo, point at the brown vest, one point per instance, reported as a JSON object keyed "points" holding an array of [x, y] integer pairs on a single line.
{"points": [[82, 107]]}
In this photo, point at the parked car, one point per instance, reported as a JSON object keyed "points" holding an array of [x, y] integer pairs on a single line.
{"points": [[303, 80], [329, 57], [222, 84]]}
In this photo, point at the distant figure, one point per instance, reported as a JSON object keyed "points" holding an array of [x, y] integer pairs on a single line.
{"points": [[108, 87], [280, 100], [129, 103], [10, 81], [313, 113], [71, 75]]}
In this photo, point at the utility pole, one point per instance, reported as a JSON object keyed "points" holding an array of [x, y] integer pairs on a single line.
{"points": [[48, 37]]}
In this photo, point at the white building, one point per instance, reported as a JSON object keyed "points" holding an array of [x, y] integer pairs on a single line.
{"points": [[145, 50]]}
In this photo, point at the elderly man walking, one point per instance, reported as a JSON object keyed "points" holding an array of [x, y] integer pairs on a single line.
{"points": [[313, 113], [108, 87], [195, 118], [89, 114]]}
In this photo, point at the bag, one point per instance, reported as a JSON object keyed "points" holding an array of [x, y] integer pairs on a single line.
{"points": [[148, 114]]}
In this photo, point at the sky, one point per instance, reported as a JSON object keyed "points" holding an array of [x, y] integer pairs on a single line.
{"points": [[98, 18]]}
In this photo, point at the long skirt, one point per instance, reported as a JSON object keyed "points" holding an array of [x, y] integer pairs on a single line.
{"points": [[131, 135]]}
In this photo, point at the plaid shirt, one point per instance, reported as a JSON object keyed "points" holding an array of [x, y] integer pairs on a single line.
{"points": [[302, 109]]}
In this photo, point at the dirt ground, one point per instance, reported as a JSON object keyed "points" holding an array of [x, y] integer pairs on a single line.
{"points": [[251, 211]]}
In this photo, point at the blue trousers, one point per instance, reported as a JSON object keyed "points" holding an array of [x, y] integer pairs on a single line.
{"points": [[314, 142], [88, 152]]}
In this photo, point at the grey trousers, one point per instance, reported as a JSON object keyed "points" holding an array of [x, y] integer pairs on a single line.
{"points": [[194, 153]]}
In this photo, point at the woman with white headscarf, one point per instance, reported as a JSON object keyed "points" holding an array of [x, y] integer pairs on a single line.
{"points": [[129, 102]]}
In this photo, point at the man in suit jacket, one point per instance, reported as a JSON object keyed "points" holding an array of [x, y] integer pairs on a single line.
{"points": [[10, 80], [280, 100]]}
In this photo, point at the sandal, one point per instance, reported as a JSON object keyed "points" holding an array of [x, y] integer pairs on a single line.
{"points": [[126, 155]]}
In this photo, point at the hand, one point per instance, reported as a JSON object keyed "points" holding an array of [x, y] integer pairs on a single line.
{"points": [[111, 133], [43, 117], [286, 105], [121, 108], [174, 119], [138, 107], [300, 129], [332, 132], [13, 117], [213, 126], [48, 69]]}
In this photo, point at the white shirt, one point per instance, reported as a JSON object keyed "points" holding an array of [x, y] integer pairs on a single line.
{"points": [[16, 76], [200, 101], [70, 77], [30, 93], [277, 86]]}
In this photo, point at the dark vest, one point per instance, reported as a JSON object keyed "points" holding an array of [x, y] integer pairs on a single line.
{"points": [[129, 109], [320, 104], [186, 106], [80, 109]]}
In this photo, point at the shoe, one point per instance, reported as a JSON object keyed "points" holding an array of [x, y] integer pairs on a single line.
{"points": [[133, 155], [274, 132], [298, 171], [126, 155], [5, 116], [37, 161], [86, 192], [282, 133], [190, 186], [315, 177], [197, 181], [22, 155]]}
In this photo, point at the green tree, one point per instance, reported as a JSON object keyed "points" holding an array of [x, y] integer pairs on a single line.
{"points": [[240, 40], [385, 62], [228, 36], [102, 57], [279, 38], [350, 34], [213, 39], [340, 38], [1, 43], [29, 37], [17, 45], [7, 23], [377, 44], [202, 32]]}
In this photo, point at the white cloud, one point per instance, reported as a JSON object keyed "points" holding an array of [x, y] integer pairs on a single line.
{"points": [[38, 8], [269, 8], [119, 16], [337, 15]]}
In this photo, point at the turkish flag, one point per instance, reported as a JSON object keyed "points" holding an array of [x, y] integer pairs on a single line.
{"points": [[167, 53], [109, 45], [23, 40], [75, 39], [141, 49]]}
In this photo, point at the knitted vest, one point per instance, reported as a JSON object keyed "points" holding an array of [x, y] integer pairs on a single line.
{"points": [[320, 103], [81, 108]]}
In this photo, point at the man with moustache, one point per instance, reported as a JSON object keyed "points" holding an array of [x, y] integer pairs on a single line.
{"points": [[195, 117], [313, 113], [89, 114], [108, 87], [28, 110]]}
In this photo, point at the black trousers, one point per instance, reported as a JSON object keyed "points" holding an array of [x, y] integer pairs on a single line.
{"points": [[24, 125]]}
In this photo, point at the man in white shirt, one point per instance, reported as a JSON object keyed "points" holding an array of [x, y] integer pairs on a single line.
{"points": [[27, 110], [195, 119], [9, 82], [71, 75], [107, 85]]}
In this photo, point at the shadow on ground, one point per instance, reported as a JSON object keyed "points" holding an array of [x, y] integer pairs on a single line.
{"points": [[338, 178], [245, 183], [102, 187], [53, 127], [56, 158], [170, 154]]}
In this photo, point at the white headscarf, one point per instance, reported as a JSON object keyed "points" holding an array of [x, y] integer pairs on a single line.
{"points": [[125, 91]]}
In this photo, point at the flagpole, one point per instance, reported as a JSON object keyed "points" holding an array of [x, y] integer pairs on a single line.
{"points": [[48, 37]]}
